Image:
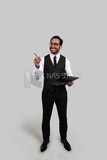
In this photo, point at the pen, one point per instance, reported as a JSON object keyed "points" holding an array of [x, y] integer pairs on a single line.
{"points": [[37, 55]]}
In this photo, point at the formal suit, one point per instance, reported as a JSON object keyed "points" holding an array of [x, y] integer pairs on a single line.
{"points": [[53, 93]]}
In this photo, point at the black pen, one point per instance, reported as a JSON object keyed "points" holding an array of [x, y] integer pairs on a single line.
{"points": [[37, 55]]}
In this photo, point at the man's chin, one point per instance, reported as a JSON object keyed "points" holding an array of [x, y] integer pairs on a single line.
{"points": [[54, 52]]}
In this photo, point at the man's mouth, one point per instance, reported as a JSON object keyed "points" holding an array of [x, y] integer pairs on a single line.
{"points": [[53, 49]]}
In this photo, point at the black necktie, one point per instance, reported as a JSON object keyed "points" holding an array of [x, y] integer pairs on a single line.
{"points": [[54, 60]]}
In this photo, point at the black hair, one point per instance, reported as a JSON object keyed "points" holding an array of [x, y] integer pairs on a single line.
{"points": [[57, 37]]}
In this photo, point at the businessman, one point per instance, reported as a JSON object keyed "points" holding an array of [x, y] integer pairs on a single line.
{"points": [[54, 66]]}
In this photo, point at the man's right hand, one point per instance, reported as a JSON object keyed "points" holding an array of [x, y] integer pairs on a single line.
{"points": [[37, 61]]}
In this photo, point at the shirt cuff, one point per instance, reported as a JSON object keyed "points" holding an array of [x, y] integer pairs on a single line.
{"points": [[37, 74]]}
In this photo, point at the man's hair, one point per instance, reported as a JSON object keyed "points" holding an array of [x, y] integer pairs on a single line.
{"points": [[57, 37]]}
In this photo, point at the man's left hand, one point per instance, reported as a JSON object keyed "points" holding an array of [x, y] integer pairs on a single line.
{"points": [[70, 83]]}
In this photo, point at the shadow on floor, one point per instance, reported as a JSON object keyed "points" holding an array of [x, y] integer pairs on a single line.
{"points": [[33, 128]]}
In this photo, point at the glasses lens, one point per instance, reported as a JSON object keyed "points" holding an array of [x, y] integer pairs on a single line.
{"points": [[55, 44]]}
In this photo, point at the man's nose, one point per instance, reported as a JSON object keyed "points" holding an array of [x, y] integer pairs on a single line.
{"points": [[53, 45]]}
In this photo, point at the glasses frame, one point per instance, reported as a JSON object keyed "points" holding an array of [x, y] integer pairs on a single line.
{"points": [[55, 44]]}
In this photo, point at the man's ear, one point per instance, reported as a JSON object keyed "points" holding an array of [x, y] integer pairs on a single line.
{"points": [[60, 46]]}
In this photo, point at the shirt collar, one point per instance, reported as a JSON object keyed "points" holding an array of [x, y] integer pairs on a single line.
{"points": [[57, 55]]}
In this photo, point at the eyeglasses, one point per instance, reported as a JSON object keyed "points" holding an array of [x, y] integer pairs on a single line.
{"points": [[55, 44]]}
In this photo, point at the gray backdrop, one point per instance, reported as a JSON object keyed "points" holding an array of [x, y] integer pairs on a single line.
{"points": [[26, 27]]}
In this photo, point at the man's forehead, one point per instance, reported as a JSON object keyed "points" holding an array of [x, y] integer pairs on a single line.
{"points": [[55, 40]]}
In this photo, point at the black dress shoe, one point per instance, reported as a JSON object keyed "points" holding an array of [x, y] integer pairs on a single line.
{"points": [[66, 144], [44, 145]]}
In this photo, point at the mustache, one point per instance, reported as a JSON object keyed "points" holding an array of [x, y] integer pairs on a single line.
{"points": [[52, 48]]}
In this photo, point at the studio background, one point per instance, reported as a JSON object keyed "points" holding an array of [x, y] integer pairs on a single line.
{"points": [[26, 27]]}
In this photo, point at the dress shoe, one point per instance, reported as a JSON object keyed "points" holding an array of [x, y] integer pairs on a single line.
{"points": [[44, 145], [66, 144]]}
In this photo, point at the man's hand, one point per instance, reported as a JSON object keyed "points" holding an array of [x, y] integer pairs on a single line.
{"points": [[70, 83], [37, 61]]}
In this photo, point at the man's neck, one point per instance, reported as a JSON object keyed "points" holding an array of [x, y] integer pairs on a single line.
{"points": [[54, 54]]}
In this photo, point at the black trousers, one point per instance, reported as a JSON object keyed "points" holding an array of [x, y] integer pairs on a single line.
{"points": [[59, 97]]}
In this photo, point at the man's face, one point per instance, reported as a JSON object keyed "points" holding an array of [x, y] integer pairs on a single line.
{"points": [[55, 46]]}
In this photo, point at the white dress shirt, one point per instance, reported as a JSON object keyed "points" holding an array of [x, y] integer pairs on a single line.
{"points": [[39, 71]]}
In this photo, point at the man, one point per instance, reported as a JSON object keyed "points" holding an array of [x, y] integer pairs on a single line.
{"points": [[54, 66]]}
